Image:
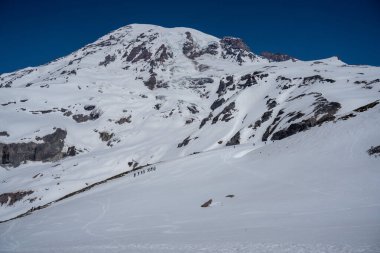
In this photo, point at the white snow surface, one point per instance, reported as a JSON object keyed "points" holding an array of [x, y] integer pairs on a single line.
{"points": [[317, 190]]}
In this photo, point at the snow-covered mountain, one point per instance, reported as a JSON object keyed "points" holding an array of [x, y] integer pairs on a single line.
{"points": [[183, 100]]}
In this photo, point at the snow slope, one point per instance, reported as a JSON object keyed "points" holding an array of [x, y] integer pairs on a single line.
{"points": [[289, 139], [296, 195]]}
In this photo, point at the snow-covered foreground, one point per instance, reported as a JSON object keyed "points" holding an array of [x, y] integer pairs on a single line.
{"points": [[317, 191]]}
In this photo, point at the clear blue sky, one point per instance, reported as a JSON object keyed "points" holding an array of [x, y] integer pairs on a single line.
{"points": [[35, 32]]}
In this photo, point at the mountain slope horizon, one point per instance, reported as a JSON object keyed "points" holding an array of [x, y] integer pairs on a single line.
{"points": [[142, 103]]}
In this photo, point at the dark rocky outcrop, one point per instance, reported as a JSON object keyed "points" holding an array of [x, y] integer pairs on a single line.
{"points": [[294, 116], [366, 107], [235, 48], [326, 108], [249, 81], [41, 111], [346, 117], [272, 127], [271, 103], [313, 79], [302, 126], [105, 136], [151, 82], [139, 53], [227, 113], [189, 121], [124, 120], [224, 84], [71, 151], [184, 142], [80, 118], [89, 107], [207, 203], [284, 82], [200, 81], [293, 129], [14, 154], [260, 75], [367, 84], [235, 140], [375, 151], [8, 103], [204, 121], [217, 103], [189, 47], [4, 133], [193, 109], [107, 60], [266, 115], [12, 197], [162, 54], [276, 57], [192, 50], [324, 111]]}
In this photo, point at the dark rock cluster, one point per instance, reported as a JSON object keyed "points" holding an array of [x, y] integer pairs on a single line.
{"points": [[235, 140], [323, 112], [227, 113], [224, 84], [276, 57], [14, 154], [12, 197], [192, 50], [235, 48], [375, 151], [107, 60]]}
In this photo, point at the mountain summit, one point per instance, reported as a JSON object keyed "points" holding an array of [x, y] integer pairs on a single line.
{"points": [[145, 95]]}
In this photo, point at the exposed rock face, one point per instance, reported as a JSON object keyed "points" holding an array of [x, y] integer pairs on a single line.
{"points": [[151, 82], [163, 54], [368, 106], [235, 140], [184, 142], [317, 78], [14, 154], [271, 103], [375, 151], [193, 109], [139, 53], [80, 118], [71, 151], [107, 60], [217, 103], [204, 121], [12, 197], [235, 48], [89, 107], [227, 113], [207, 203], [4, 133], [323, 112], [124, 120], [224, 84], [200, 82], [276, 57], [189, 47], [105, 136], [248, 81], [192, 50]]}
